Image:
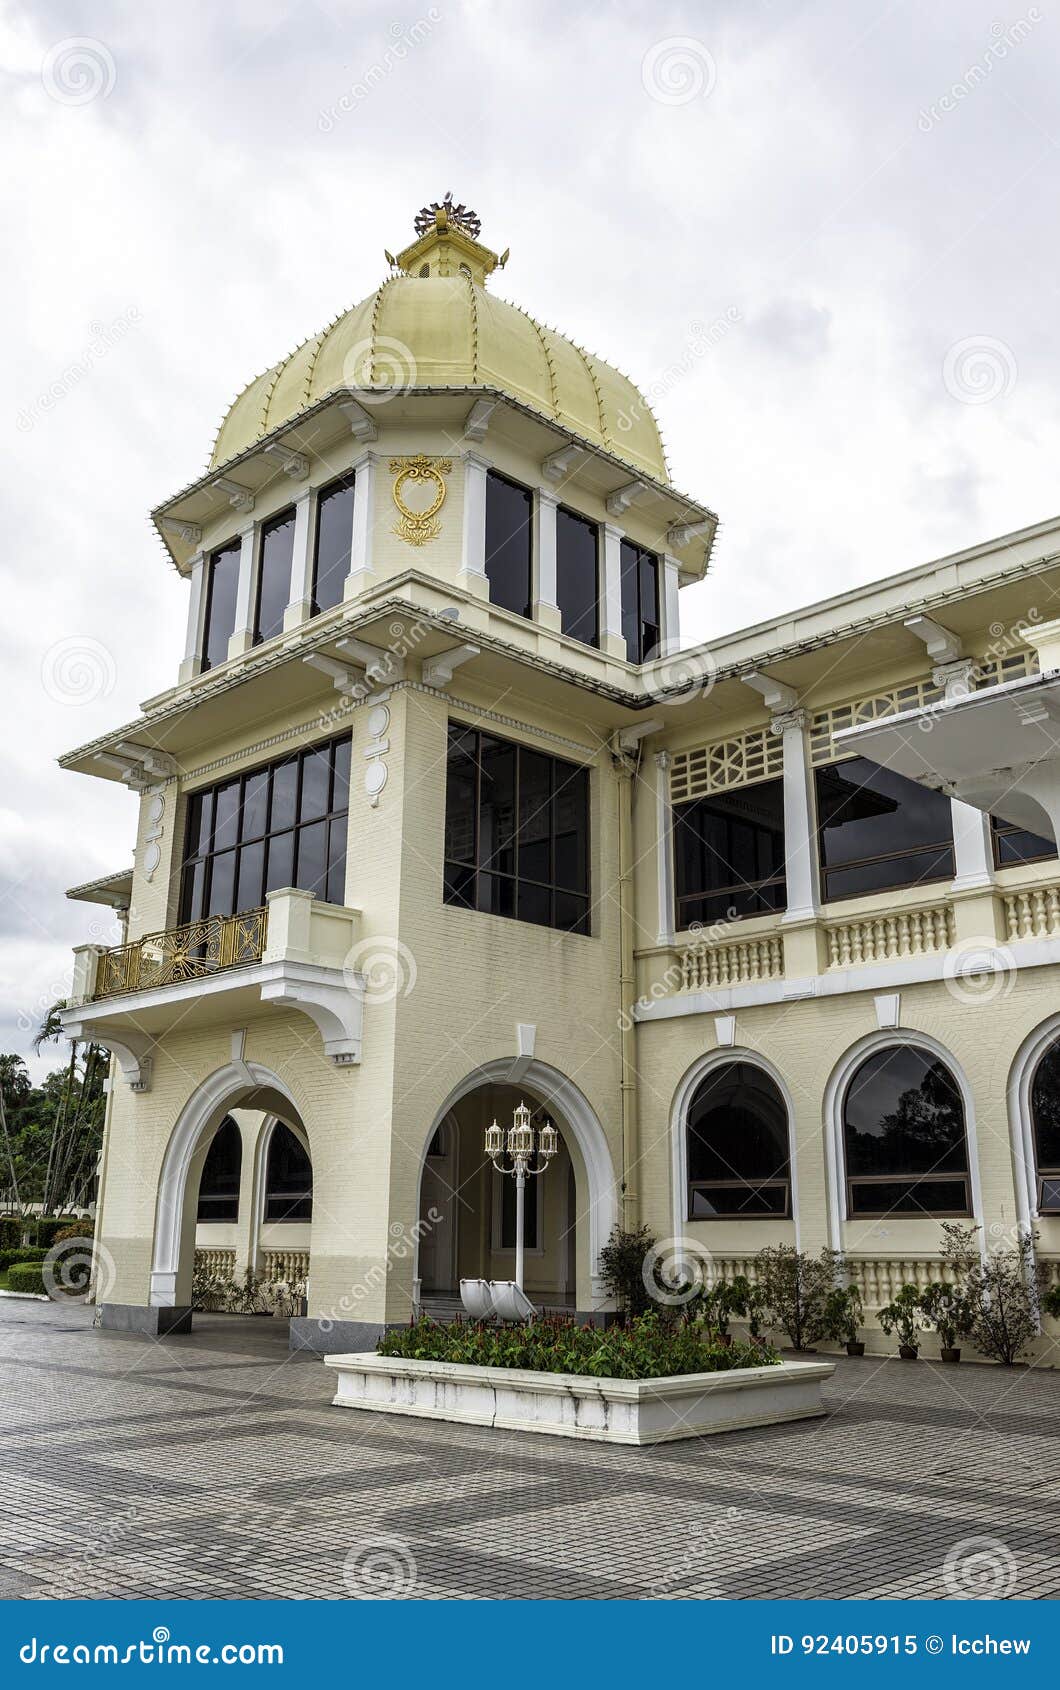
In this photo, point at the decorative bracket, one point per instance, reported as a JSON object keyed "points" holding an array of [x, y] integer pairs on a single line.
{"points": [[239, 497], [557, 464], [189, 532], [350, 682], [337, 1010], [621, 499], [380, 665], [679, 533], [478, 418], [362, 424], [133, 1050], [942, 646], [294, 464], [140, 765], [438, 671]]}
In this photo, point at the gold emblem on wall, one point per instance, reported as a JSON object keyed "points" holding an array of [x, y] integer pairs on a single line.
{"points": [[419, 494]]}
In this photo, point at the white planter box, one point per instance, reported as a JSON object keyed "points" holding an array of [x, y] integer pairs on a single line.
{"points": [[620, 1411]]}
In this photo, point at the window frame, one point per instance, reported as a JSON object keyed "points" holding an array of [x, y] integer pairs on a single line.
{"points": [[1000, 830], [224, 1197], [779, 879], [476, 869], [228, 549], [586, 522], [642, 553], [331, 817], [826, 871], [1042, 1174], [279, 519], [961, 1176], [496, 475], [340, 483], [786, 1182], [298, 1197]]}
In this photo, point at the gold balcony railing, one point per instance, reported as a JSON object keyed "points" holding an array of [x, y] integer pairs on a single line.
{"points": [[189, 952]]}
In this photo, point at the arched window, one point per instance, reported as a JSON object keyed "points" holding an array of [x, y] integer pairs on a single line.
{"points": [[1045, 1114], [903, 1126], [288, 1178], [737, 1146], [219, 1185]]}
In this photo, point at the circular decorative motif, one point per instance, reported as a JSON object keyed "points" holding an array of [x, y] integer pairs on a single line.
{"points": [[419, 474], [418, 522], [378, 720], [375, 778]]}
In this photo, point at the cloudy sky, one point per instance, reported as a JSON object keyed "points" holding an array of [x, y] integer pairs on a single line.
{"points": [[817, 234]]}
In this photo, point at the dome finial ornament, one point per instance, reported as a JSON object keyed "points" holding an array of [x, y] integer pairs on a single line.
{"points": [[444, 214]]}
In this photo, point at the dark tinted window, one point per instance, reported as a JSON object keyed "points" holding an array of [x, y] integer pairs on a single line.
{"points": [[1015, 845], [219, 1184], [737, 1146], [640, 602], [878, 830], [578, 576], [221, 587], [331, 558], [516, 832], [509, 541], [274, 576], [903, 1123], [283, 825], [729, 854], [288, 1179], [1045, 1113]]}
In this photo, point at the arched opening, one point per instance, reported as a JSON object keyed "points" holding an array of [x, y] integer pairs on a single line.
{"points": [[235, 1188], [904, 1137], [1045, 1124], [738, 1156], [466, 1218]]}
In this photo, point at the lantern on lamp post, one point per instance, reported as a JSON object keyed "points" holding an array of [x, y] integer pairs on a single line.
{"points": [[529, 1151]]}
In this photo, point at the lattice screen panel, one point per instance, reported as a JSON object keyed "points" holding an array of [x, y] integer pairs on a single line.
{"points": [[754, 756], [826, 723]]}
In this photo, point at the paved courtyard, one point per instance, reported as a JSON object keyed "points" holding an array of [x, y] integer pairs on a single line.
{"points": [[214, 1466]]}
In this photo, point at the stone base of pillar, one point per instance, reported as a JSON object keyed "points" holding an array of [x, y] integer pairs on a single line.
{"points": [[147, 1320]]}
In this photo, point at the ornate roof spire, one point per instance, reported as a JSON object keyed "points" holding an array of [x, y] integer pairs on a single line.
{"points": [[447, 244]]}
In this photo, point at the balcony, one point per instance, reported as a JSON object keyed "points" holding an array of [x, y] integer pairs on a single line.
{"points": [[190, 952], [294, 953]]}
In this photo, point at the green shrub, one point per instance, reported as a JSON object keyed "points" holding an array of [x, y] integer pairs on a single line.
{"points": [[903, 1316], [43, 1230], [795, 1289], [10, 1231], [21, 1253], [76, 1229], [646, 1348], [622, 1261], [1002, 1291], [26, 1276]]}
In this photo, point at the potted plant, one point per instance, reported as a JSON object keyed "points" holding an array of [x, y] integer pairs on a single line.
{"points": [[903, 1316], [843, 1315], [795, 1288], [1005, 1290], [748, 1302], [946, 1307]]}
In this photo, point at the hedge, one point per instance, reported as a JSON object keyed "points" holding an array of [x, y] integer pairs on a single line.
{"points": [[26, 1253], [645, 1348], [26, 1276]]}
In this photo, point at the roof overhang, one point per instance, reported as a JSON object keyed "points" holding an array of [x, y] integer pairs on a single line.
{"points": [[998, 749], [686, 529], [113, 890]]}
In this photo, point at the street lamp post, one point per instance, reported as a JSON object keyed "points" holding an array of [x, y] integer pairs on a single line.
{"points": [[523, 1143]]}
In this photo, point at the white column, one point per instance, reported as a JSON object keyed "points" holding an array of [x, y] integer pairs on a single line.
{"points": [[801, 866], [664, 847], [242, 637], [192, 661], [669, 606], [546, 606], [973, 844], [362, 573], [611, 640], [472, 576], [299, 607]]}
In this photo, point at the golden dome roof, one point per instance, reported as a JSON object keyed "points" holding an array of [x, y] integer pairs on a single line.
{"points": [[433, 324]]}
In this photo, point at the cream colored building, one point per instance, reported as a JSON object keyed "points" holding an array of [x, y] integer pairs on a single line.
{"points": [[438, 816]]}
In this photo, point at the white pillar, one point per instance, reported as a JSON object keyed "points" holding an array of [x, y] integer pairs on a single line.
{"points": [[242, 637], [546, 605], [669, 606], [299, 607], [472, 576], [362, 573], [192, 662], [801, 864], [611, 640], [664, 847], [973, 844]]}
